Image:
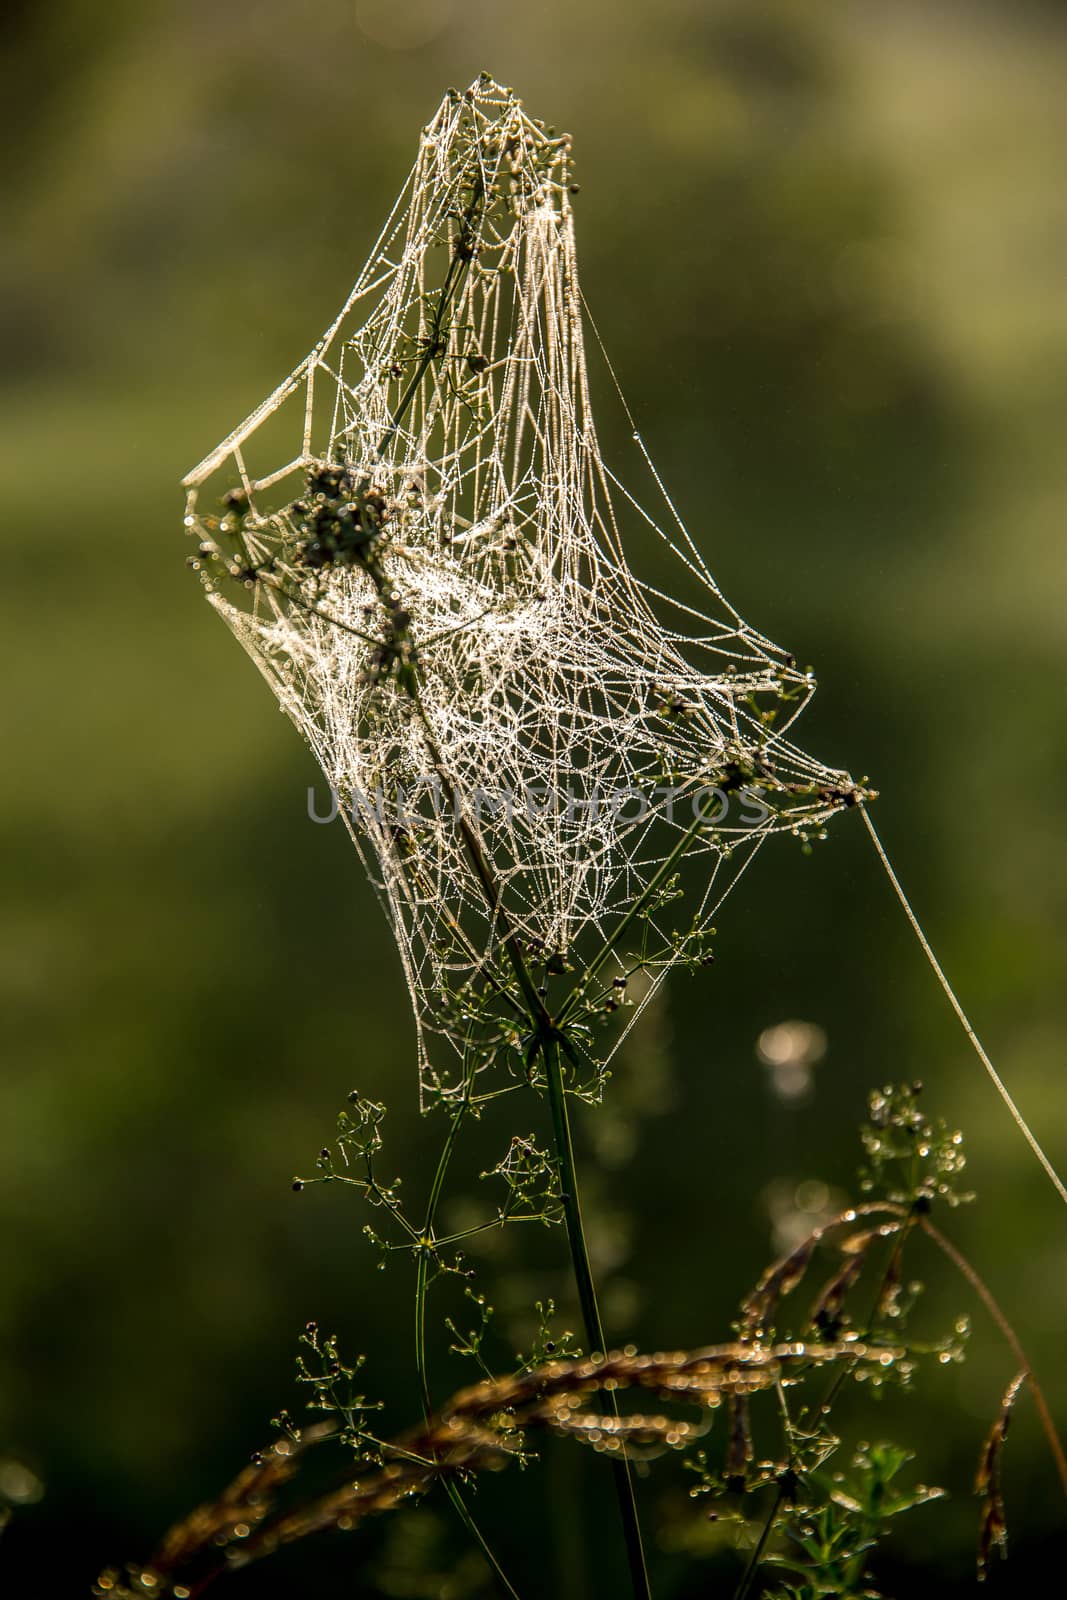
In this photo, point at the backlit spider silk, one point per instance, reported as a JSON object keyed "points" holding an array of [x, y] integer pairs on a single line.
{"points": [[419, 543]]}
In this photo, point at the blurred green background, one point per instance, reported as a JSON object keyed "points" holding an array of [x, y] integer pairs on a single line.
{"points": [[826, 248]]}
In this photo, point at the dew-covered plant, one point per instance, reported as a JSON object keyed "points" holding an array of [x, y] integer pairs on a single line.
{"points": [[419, 543], [554, 772], [818, 1511]]}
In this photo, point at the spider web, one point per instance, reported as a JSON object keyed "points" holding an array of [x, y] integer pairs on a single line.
{"points": [[417, 540]]}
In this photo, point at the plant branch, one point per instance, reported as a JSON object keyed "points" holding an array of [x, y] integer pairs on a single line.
{"points": [[583, 1274], [992, 1305], [422, 1279], [478, 1428]]}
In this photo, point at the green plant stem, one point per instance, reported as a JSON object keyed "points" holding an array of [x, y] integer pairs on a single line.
{"points": [[544, 1026], [546, 1037], [583, 1275], [422, 1280], [758, 1548], [422, 1284]]}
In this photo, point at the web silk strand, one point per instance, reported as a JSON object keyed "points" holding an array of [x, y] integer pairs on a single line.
{"points": [[965, 1023]]}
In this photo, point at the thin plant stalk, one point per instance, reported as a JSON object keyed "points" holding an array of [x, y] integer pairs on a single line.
{"points": [[546, 1038], [992, 1305], [422, 1281], [583, 1275], [752, 1565]]}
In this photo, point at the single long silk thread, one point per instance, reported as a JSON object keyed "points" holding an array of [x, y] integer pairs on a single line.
{"points": [[965, 1022]]}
